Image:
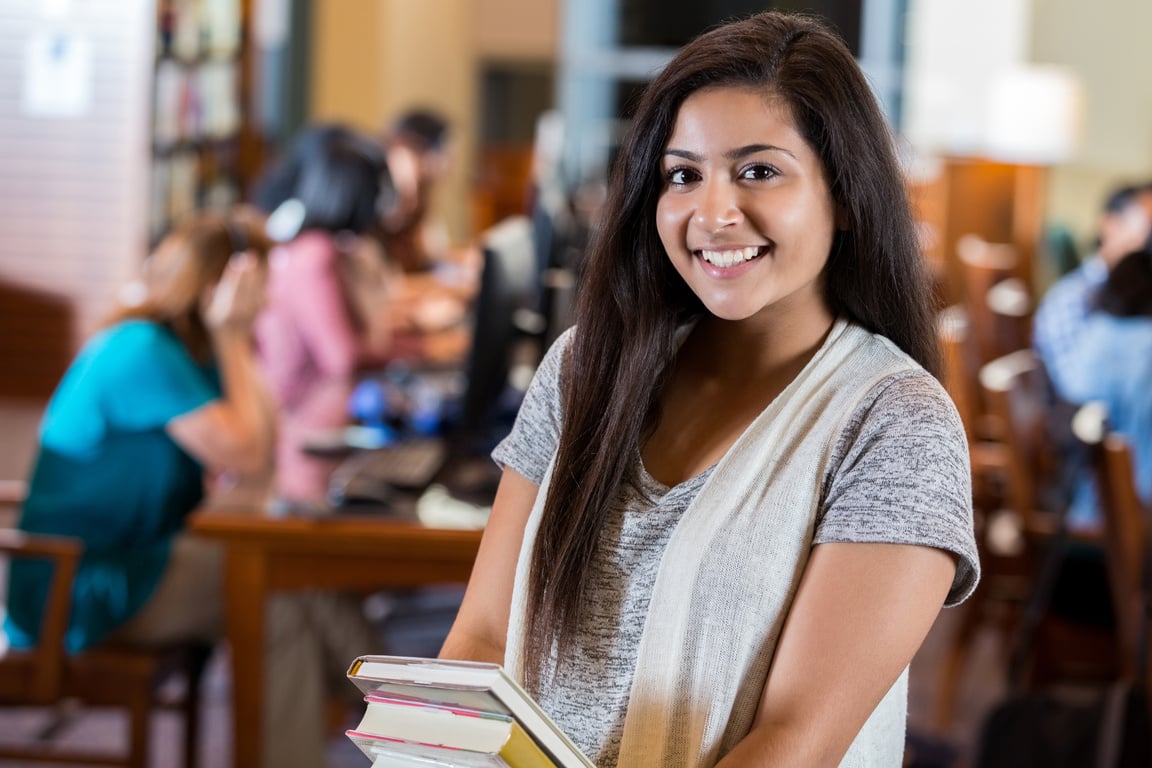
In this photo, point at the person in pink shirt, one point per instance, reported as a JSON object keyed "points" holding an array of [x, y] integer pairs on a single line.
{"points": [[327, 314]]}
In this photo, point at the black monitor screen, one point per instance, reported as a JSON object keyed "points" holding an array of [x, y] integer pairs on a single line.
{"points": [[672, 23], [508, 285]]}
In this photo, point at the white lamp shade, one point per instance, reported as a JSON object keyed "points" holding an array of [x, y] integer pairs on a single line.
{"points": [[1034, 115]]}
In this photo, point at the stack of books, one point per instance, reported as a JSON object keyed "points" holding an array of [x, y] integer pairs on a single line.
{"points": [[430, 712]]}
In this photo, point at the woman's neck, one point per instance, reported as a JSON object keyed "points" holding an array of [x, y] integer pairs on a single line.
{"points": [[747, 351]]}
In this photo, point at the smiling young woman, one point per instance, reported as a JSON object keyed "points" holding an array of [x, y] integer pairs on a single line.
{"points": [[746, 214], [735, 498]]}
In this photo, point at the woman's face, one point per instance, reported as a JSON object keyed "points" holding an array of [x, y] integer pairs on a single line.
{"points": [[745, 214]]}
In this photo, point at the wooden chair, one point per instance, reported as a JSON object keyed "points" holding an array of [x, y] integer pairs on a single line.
{"points": [[124, 678], [1018, 398], [1011, 306], [984, 265], [1004, 581], [1125, 534], [1037, 433], [1015, 528]]}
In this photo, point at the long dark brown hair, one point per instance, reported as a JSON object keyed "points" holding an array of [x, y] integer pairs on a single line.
{"points": [[186, 262], [632, 300]]}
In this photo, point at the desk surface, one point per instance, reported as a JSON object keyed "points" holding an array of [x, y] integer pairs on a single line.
{"points": [[359, 531]]}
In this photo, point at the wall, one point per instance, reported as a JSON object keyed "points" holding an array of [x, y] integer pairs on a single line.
{"points": [[955, 45], [74, 185], [1106, 42], [516, 29], [373, 58], [347, 63]]}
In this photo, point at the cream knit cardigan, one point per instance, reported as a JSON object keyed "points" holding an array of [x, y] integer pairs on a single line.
{"points": [[731, 570]]}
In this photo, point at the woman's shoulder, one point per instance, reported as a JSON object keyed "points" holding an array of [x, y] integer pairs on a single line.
{"points": [[131, 337], [135, 353], [904, 406], [553, 360], [1108, 339], [912, 393], [1104, 324]]}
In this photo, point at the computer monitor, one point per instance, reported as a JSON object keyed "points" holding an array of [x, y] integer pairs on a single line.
{"points": [[503, 311]]}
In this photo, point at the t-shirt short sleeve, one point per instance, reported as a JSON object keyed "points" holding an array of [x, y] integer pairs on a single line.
{"points": [[528, 448], [901, 475], [135, 376]]}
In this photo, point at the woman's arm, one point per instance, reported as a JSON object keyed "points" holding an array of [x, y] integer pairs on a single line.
{"points": [[861, 613], [481, 627], [235, 431]]}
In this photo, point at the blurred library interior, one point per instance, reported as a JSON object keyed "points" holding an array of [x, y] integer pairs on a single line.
{"points": [[1015, 120], [118, 117]]}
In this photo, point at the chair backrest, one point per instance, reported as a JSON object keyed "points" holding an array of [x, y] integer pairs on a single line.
{"points": [[960, 368], [1125, 521], [1019, 398], [1011, 307], [39, 680], [1000, 320]]}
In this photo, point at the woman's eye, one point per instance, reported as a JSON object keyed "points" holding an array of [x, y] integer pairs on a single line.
{"points": [[758, 172], [681, 176]]}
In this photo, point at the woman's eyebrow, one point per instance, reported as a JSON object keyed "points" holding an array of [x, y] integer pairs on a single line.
{"points": [[752, 149], [732, 154]]}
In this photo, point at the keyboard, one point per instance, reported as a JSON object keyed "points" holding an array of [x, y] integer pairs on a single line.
{"points": [[372, 476]]}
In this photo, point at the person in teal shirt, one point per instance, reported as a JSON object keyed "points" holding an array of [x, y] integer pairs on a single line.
{"points": [[166, 392]]}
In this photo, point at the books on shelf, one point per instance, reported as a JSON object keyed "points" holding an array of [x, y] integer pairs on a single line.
{"points": [[430, 712]]}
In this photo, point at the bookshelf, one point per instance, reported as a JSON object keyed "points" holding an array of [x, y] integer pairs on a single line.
{"points": [[197, 114]]}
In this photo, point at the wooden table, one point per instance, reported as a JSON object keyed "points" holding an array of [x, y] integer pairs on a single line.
{"points": [[265, 553]]}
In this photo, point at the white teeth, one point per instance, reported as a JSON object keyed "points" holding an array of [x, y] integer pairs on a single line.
{"points": [[730, 258]]}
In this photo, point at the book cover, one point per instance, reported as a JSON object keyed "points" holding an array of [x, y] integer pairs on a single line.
{"points": [[407, 729], [443, 695]]}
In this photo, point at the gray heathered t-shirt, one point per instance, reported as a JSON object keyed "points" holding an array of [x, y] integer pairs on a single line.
{"points": [[898, 474]]}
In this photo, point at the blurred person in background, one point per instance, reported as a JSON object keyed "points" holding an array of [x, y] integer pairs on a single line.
{"points": [[1125, 226], [165, 394], [328, 312], [1113, 358], [328, 322], [418, 148], [440, 280]]}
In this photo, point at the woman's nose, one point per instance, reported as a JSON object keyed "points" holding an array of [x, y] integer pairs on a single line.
{"points": [[718, 205]]}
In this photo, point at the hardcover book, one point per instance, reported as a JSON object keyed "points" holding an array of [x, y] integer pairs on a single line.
{"points": [[431, 712]]}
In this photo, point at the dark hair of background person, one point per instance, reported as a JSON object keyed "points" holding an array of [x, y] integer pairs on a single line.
{"points": [[1120, 198], [186, 262], [278, 182], [339, 175], [344, 185], [1128, 290], [632, 300], [425, 129]]}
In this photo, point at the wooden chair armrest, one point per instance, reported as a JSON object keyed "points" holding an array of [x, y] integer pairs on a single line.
{"points": [[19, 543]]}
